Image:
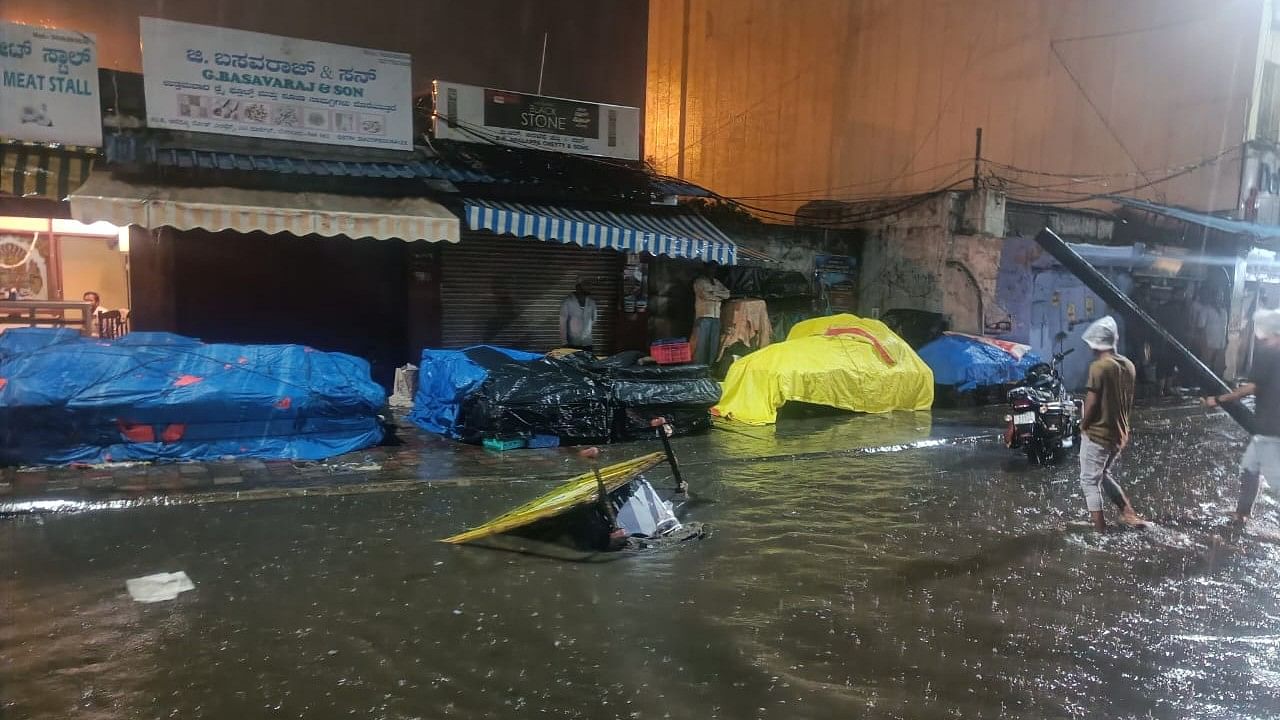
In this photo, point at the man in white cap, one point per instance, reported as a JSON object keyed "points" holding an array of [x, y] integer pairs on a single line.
{"points": [[1104, 427], [1262, 457]]}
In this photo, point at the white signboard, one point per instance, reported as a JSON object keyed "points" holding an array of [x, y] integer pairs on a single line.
{"points": [[215, 80], [49, 86], [476, 114]]}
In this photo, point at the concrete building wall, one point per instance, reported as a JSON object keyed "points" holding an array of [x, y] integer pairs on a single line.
{"points": [[844, 99], [595, 50], [937, 257], [903, 258]]}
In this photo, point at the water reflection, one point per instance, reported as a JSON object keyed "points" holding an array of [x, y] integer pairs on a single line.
{"points": [[948, 581]]}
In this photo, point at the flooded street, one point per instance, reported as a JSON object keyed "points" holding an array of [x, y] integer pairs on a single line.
{"points": [[935, 582]]}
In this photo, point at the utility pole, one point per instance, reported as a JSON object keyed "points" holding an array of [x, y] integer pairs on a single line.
{"points": [[977, 159], [684, 87]]}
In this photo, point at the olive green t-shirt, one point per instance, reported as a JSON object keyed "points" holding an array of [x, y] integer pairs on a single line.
{"points": [[1112, 378]]}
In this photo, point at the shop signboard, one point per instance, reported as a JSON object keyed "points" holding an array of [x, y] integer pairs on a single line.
{"points": [[232, 82], [49, 86], [485, 115]]}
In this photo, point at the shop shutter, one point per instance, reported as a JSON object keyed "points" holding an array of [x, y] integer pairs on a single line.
{"points": [[507, 291]]}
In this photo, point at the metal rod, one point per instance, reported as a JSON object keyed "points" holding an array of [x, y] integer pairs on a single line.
{"points": [[684, 89], [977, 159], [1110, 294], [663, 430], [543, 65], [606, 507]]}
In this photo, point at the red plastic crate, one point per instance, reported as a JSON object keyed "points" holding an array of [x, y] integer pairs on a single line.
{"points": [[672, 353]]}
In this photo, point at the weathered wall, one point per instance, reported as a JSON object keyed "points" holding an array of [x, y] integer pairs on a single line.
{"points": [[903, 258], [969, 285], [856, 98], [942, 256], [595, 51]]}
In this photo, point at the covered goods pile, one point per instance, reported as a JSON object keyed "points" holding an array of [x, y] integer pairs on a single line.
{"points": [[157, 396], [486, 392], [841, 361], [967, 362]]}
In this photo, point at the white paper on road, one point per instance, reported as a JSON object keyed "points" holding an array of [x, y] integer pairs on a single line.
{"points": [[158, 587]]}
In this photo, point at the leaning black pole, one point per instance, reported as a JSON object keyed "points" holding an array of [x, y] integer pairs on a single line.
{"points": [[1110, 294]]}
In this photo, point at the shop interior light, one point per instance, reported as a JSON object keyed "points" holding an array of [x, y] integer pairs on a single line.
{"points": [[10, 223], [60, 226]]}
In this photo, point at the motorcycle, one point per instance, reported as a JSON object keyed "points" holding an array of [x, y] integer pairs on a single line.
{"points": [[1044, 418]]}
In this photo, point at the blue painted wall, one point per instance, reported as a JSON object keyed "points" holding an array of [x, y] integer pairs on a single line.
{"points": [[1043, 299]]}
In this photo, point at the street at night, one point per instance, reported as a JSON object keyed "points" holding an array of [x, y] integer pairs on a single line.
{"points": [[912, 579]]}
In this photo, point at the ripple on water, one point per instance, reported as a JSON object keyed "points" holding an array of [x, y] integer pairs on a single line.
{"points": [[948, 581]]}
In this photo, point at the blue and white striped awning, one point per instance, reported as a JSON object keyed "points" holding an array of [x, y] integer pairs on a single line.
{"points": [[678, 234]]}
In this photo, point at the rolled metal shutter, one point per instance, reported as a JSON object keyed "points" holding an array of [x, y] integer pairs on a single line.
{"points": [[507, 291]]}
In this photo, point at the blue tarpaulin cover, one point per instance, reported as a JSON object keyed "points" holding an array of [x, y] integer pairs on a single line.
{"points": [[157, 396], [969, 363], [445, 379]]}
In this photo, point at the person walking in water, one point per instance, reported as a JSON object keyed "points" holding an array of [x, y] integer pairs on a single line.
{"points": [[1104, 426], [1262, 457]]}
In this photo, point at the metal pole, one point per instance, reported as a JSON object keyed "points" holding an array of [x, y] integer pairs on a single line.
{"points": [[684, 89], [1105, 289], [977, 159], [664, 432], [543, 65]]}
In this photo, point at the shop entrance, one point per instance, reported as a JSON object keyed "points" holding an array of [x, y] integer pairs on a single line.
{"points": [[507, 291]]}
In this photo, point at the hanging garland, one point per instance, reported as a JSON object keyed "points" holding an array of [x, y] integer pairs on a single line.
{"points": [[35, 238]]}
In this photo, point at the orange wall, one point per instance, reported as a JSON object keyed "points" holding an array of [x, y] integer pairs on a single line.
{"points": [[595, 51], [94, 263], [853, 98]]}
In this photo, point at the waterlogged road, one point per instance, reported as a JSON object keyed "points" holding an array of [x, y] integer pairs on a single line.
{"points": [[935, 582]]}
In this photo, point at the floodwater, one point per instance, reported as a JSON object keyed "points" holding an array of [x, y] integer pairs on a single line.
{"points": [[936, 582]]}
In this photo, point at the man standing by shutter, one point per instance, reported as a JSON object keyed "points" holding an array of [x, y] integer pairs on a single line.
{"points": [[578, 318], [1105, 425], [708, 294]]}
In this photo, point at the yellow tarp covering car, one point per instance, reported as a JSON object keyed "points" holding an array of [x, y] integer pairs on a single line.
{"points": [[843, 361]]}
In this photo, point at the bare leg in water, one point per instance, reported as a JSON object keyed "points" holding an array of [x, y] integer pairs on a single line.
{"points": [[1250, 481], [1116, 495]]}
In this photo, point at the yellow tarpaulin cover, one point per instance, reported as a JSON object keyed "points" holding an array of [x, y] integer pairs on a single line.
{"points": [[576, 491], [843, 361]]}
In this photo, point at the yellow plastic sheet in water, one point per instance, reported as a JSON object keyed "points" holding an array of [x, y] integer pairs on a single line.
{"points": [[578, 490], [842, 361]]}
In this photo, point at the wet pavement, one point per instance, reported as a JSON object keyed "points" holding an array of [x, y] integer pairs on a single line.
{"points": [[855, 570], [415, 457]]}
